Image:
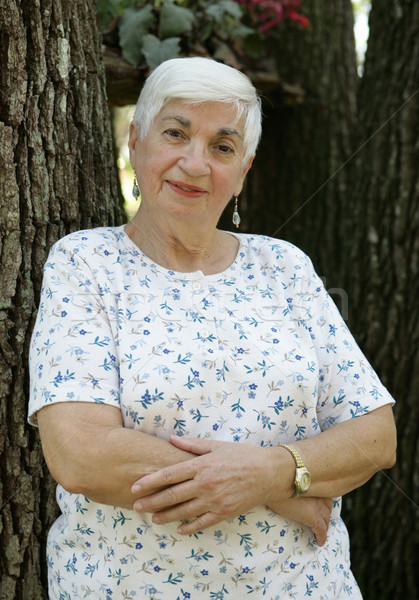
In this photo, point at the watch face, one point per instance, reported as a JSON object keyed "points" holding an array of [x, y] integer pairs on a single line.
{"points": [[305, 481]]}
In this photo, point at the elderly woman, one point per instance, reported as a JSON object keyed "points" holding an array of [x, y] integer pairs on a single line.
{"points": [[201, 403]]}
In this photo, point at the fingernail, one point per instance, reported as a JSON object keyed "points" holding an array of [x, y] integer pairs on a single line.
{"points": [[156, 520], [136, 488], [138, 506]]}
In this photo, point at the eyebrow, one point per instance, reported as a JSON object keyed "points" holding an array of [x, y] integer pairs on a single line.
{"points": [[188, 124], [227, 131], [181, 120]]}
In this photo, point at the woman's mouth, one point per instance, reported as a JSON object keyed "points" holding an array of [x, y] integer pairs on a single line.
{"points": [[184, 189]]}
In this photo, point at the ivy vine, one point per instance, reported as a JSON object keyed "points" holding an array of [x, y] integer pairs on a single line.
{"points": [[149, 32]]}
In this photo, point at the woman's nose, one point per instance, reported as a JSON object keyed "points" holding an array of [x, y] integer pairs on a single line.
{"points": [[195, 160]]}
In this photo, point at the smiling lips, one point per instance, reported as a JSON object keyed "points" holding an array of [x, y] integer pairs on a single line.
{"points": [[185, 190]]}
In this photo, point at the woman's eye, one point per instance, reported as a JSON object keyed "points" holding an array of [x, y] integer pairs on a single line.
{"points": [[224, 148], [175, 133]]}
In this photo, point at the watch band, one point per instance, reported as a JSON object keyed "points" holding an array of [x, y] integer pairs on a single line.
{"points": [[295, 454], [302, 476]]}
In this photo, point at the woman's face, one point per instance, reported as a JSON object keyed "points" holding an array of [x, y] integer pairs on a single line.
{"points": [[190, 163]]}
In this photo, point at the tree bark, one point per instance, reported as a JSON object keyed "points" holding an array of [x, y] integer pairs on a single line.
{"points": [[382, 279], [57, 175], [296, 189]]}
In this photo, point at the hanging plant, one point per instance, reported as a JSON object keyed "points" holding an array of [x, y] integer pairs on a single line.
{"points": [[149, 32]]}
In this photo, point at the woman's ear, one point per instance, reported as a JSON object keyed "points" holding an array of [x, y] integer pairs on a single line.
{"points": [[132, 141], [244, 172], [247, 166]]}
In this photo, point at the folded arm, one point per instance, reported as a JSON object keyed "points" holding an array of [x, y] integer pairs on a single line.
{"points": [[89, 452], [228, 479]]}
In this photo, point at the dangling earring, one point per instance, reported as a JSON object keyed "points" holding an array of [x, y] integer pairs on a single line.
{"points": [[135, 189], [236, 216]]}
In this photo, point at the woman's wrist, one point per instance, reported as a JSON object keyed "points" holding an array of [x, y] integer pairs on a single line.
{"points": [[282, 475]]}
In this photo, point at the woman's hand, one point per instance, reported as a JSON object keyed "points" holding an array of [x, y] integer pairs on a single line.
{"points": [[225, 480], [314, 512]]}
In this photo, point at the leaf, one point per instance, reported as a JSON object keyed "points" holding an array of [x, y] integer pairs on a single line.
{"points": [[156, 51], [241, 30], [106, 10], [133, 28], [174, 20], [219, 10]]}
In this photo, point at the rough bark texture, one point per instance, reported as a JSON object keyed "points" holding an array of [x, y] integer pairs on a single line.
{"points": [[382, 279], [57, 174], [293, 190]]}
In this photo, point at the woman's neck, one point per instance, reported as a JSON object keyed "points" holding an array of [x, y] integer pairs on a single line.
{"points": [[181, 247]]}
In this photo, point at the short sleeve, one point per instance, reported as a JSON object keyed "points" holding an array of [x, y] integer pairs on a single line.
{"points": [[73, 354], [348, 385]]}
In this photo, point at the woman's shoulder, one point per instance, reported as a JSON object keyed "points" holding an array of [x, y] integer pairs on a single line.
{"points": [[274, 250], [88, 243]]}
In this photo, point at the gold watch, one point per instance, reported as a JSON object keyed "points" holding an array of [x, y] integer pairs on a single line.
{"points": [[302, 475]]}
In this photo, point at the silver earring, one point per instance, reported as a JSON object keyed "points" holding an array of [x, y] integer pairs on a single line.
{"points": [[135, 189], [236, 216]]}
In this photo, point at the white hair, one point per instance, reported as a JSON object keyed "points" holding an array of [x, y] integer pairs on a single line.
{"points": [[197, 80]]}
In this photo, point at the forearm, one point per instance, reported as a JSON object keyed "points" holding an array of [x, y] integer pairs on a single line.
{"points": [[339, 460], [348, 454], [89, 452], [129, 455]]}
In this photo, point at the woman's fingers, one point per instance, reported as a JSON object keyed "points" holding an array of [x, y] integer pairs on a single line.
{"points": [[313, 512], [187, 511], [194, 445], [321, 519], [199, 524], [163, 478], [168, 497]]}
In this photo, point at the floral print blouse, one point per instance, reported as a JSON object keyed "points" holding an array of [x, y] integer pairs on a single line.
{"points": [[256, 354]]}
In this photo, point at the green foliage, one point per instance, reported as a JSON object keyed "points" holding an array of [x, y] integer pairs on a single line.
{"points": [[107, 10], [227, 17], [150, 32], [133, 26], [224, 11], [156, 51], [174, 20]]}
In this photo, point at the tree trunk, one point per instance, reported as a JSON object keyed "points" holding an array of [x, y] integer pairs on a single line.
{"points": [[296, 189], [382, 279], [57, 174]]}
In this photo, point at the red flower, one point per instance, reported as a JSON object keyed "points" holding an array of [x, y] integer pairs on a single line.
{"points": [[297, 18], [266, 14]]}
